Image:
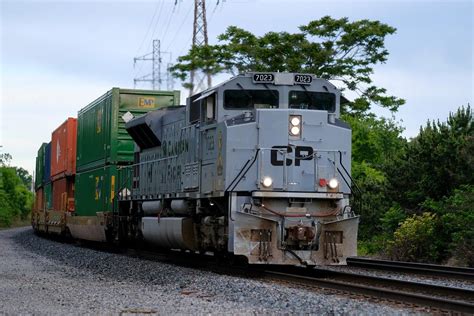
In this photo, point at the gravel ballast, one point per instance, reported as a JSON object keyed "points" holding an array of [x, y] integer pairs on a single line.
{"points": [[41, 276]]}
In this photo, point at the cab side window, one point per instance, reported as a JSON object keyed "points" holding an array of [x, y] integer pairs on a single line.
{"points": [[209, 108], [195, 110], [203, 109]]}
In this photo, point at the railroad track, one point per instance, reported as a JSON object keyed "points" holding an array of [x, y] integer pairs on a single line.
{"points": [[406, 292], [421, 294], [419, 268]]}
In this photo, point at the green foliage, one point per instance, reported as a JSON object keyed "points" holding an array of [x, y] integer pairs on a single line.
{"points": [[375, 245], [25, 177], [374, 143], [372, 183], [392, 219], [415, 239], [330, 48], [5, 159], [440, 159], [6, 210], [456, 214], [15, 198]]}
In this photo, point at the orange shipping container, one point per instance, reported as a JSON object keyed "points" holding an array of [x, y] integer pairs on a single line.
{"points": [[39, 198], [63, 194], [63, 149]]}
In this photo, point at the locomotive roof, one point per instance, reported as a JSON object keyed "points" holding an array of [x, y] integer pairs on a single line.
{"points": [[280, 78]]}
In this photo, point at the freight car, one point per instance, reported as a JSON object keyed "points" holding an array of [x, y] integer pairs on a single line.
{"points": [[75, 172], [258, 166]]}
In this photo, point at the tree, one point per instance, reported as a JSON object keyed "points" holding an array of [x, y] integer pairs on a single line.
{"points": [[334, 49], [5, 159], [15, 198], [437, 161], [25, 176], [456, 234], [375, 143]]}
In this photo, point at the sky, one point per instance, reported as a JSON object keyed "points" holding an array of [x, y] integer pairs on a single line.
{"points": [[57, 56]]}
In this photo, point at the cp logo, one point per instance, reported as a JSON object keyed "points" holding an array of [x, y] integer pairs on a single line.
{"points": [[301, 153]]}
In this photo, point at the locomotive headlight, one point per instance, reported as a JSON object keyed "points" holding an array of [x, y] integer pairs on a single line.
{"points": [[295, 125], [295, 131], [267, 182], [295, 121], [333, 183]]}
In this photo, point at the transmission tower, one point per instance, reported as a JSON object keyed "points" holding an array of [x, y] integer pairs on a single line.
{"points": [[199, 39], [155, 58]]}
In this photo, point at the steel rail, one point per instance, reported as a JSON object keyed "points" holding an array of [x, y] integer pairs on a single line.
{"points": [[420, 268], [400, 294]]}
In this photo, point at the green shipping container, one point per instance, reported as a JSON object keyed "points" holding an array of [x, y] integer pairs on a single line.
{"points": [[39, 173], [101, 135], [96, 189], [48, 196]]}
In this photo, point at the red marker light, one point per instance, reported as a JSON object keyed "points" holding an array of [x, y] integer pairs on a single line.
{"points": [[322, 182]]}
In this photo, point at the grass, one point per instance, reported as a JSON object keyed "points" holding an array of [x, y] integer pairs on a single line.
{"points": [[18, 223]]}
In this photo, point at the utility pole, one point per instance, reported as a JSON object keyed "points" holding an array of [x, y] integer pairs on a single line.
{"points": [[199, 39], [155, 57]]}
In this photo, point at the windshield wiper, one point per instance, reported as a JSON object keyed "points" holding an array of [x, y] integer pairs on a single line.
{"points": [[271, 91], [310, 99], [248, 94]]}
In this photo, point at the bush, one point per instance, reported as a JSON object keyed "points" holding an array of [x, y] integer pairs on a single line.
{"points": [[392, 219], [6, 210], [15, 198], [415, 239], [372, 184], [456, 235]]}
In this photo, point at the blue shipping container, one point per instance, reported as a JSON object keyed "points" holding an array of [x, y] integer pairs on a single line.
{"points": [[47, 164]]}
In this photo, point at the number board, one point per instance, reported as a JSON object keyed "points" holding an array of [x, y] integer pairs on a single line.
{"points": [[303, 79], [263, 78]]}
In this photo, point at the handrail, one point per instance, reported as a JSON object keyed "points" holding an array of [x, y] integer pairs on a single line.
{"points": [[357, 197], [128, 171]]}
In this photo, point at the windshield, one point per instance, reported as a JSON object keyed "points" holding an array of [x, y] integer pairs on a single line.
{"points": [[249, 99], [312, 100]]}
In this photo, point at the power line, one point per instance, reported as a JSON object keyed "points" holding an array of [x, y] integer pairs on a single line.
{"points": [[160, 10], [149, 27], [179, 28], [168, 24], [158, 19]]}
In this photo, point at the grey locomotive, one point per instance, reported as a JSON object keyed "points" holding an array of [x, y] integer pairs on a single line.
{"points": [[258, 166]]}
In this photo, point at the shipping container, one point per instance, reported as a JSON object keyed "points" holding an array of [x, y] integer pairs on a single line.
{"points": [[63, 194], [39, 175], [95, 189], [101, 135], [48, 197], [39, 200], [63, 149], [47, 164]]}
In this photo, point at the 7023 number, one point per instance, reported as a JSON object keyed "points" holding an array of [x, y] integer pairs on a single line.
{"points": [[263, 78], [303, 79]]}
